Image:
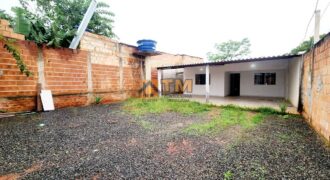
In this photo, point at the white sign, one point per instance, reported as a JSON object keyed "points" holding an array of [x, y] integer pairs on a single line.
{"points": [[47, 100]]}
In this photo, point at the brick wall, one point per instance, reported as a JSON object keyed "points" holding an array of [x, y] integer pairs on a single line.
{"points": [[316, 87], [17, 92], [114, 73]]}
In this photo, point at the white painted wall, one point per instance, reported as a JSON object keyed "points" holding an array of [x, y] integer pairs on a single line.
{"points": [[217, 80], [220, 78], [248, 88], [294, 72]]}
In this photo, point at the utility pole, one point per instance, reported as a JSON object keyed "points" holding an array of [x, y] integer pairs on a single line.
{"points": [[83, 25], [317, 26]]}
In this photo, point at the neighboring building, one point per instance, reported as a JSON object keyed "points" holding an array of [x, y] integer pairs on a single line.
{"points": [[166, 59], [277, 76]]}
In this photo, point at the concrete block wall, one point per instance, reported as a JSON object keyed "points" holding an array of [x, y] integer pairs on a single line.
{"points": [[7, 31], [116, 73], [315, 92]]}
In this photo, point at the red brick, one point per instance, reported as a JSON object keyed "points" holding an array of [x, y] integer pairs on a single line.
{"points": [[4, 22]]}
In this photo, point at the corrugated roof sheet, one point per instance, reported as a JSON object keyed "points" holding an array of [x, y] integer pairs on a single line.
{"points": [[223, 62]]}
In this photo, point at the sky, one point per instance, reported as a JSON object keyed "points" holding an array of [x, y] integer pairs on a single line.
{"points": [[192, 27]]}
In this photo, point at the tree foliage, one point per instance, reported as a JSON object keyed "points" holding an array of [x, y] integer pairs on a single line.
{"points": [[55, 22], [230, 49], [305, 46], [4, 15]]}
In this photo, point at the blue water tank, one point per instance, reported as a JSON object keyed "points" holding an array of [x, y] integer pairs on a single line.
{"points": [[147, 45]]}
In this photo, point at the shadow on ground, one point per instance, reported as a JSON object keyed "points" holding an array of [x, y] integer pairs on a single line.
{"points": [[106, 142]]}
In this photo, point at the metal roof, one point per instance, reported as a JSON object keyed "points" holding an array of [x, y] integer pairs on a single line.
{"points": [[223, 62]]}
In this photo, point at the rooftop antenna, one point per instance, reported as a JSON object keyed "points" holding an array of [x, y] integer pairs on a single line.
{"points": [[83, 25]]}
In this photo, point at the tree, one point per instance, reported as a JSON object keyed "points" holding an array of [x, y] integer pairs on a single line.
{"points": [[305, 46], [55, 22], [230, 49]]}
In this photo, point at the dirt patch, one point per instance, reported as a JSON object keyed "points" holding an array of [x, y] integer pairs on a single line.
{"points": [[14, 176], [183, 147], [215, 112]]}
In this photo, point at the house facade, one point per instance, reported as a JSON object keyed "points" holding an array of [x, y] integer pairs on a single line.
{"points": [[275, 77]]}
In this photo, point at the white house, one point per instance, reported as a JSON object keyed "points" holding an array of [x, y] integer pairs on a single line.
{"points": [[276, 77]]}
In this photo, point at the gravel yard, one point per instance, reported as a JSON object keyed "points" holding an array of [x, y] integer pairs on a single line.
{"points": [[107, 142]]}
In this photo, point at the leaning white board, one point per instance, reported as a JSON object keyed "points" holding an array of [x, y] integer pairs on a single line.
{"points": [[47, 100]]}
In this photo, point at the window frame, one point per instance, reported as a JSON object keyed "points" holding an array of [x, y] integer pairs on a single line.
{"points": [[196, 75], [264, 79]]}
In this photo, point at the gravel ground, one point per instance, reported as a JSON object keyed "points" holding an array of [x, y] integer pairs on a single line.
{"points": [[104, 142]]}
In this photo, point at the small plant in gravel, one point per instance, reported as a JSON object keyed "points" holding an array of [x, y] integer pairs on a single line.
{"points": [[98, 100], [228, 175], [283, 107]]}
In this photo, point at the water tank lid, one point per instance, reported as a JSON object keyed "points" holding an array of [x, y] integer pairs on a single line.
{"points": [[146, 41]]}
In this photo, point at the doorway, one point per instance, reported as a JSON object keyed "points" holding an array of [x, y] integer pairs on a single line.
{"points": [[235, 80]]}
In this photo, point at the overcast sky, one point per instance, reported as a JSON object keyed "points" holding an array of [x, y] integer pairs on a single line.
{"points": [[193, 26]]}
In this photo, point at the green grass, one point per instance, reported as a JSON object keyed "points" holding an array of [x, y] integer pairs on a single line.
{"points": [[160, 105], [231, 116]]}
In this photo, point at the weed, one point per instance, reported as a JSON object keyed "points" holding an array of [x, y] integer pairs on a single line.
{"points": [[98, 100], [283, 107], [228, 175]]}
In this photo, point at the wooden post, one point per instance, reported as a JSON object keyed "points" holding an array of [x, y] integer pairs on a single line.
{"points": [[159, 76], [207, 83]]}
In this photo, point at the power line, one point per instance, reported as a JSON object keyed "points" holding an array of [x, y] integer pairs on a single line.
{"points": [[310, 20]]}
